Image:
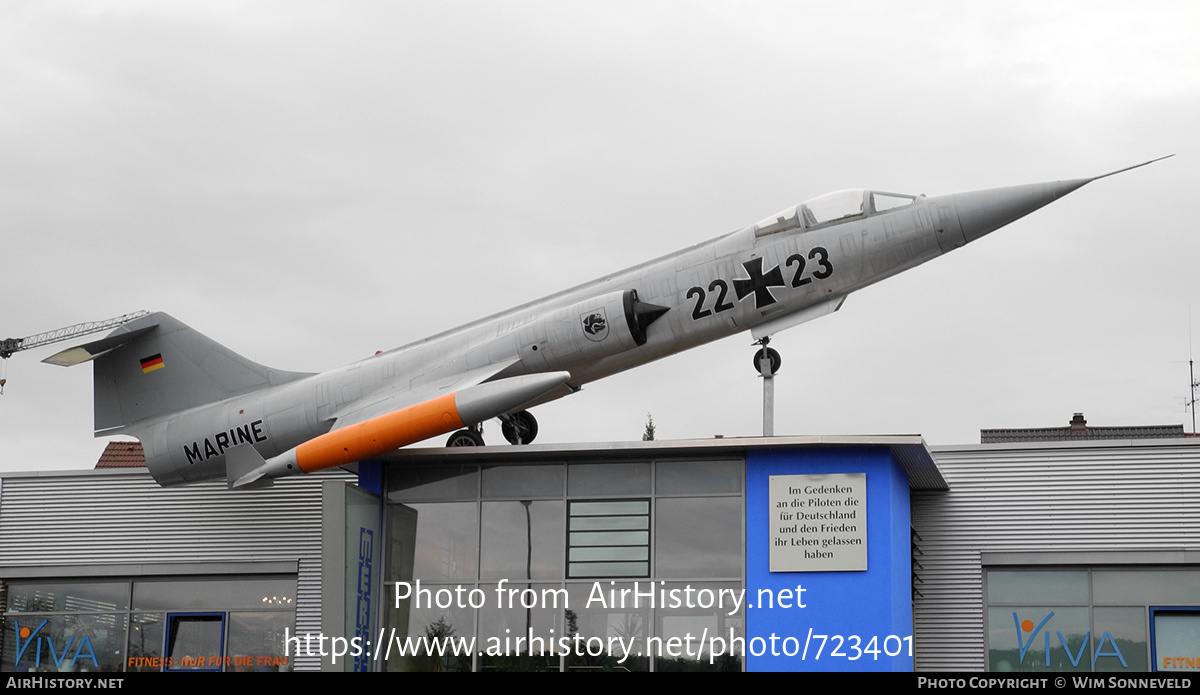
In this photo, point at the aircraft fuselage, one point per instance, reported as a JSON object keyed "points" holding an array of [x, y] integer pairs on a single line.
{"points": [[204, 412]]}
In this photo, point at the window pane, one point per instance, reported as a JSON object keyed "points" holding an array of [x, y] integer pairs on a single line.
{"points": [[256, 642], [599, 620], [1176, 641], [632, 552], [690, 477], [63, 643], [433, 483], [1048, 588], [720, 620], [62, 596], [598, 508], [1163, 587], [426, 619], [698, 537], [1018, 638], [609, 569], [446, 544], [251, 593], [890, 201], [508, 619], [514, 535], [597, 480], [1126, 630], [833, 206], [194, 642], [611, 538], [610, 523], [523, 481], [146, 642]]}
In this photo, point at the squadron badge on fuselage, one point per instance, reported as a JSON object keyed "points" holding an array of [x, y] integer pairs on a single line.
{"points": [[595, 325]]}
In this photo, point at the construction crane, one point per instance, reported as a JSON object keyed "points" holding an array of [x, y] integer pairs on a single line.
{"points": [[12, 345]]}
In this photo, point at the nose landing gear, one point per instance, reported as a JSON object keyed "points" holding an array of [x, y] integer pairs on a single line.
{"points": [[769, 354], [766, 363]]}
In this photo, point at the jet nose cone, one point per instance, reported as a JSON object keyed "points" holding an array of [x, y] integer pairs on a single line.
{"points": [[981, 212]]}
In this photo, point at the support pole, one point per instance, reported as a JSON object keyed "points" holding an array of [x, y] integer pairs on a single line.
{"points": [[767, 371], [764, 367]]}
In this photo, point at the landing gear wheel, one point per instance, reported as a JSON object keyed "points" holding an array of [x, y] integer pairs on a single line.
{"points": [[519, 428], [776, 360], [465, 438]]}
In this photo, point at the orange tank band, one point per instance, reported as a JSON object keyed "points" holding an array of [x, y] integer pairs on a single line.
{"points": [[379, 434]]}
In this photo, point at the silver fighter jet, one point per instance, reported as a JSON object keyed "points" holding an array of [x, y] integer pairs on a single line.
{"points": [[202, 411]]}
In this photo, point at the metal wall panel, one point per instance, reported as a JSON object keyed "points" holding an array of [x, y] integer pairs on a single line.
{"points": [[308, 608], [1104, 497], [90, 519], [124, 518]]}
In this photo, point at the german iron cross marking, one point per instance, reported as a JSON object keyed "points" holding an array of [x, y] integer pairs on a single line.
{"points": [[758, 283]]}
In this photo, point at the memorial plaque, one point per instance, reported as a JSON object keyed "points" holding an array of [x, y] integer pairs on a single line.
{"points": [[818, 522]]}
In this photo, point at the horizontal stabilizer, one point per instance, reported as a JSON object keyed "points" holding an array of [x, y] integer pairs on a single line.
{"points": [[90, 351]]}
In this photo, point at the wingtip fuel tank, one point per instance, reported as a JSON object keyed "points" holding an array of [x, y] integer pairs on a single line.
{"points": [[439, 415]]}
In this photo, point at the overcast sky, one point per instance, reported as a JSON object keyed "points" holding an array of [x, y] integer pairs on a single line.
{"points": [[308, 183]]}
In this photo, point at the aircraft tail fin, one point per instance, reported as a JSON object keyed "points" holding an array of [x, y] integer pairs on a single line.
{"points": [[157, 365]]}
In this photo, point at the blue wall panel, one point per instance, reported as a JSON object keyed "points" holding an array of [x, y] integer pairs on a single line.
{"points": [[875, 604]]}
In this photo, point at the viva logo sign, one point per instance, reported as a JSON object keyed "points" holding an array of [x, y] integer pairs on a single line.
{"points": [[1023, 643], [58, 654]]}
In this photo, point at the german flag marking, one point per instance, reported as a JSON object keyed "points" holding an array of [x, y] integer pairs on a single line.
{"points": [[151, 363]]}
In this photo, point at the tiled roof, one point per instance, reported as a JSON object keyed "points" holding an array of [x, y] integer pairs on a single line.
{"points": [[1078, 430], [122, 455]]}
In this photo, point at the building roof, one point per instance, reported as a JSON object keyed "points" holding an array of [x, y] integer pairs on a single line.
{"points": [[909, 450], [1077, 430], [122, 455]]}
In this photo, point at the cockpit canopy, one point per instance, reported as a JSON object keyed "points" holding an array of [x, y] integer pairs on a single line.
{"points": [[832, 207]]}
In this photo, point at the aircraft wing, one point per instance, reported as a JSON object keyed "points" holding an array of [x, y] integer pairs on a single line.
{"points": [[390, 402], [796, 318], [396, 419]]}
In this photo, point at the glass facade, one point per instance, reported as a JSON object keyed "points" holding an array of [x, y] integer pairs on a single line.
{"points": [[550, 567], [148, 624], [1089, 619], [1176, 639]]}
